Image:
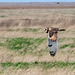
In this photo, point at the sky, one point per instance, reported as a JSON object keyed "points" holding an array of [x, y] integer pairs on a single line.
{"points": [[37, 0]]}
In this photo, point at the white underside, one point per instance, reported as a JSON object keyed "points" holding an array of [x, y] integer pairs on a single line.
{"points": [[54, 46]]}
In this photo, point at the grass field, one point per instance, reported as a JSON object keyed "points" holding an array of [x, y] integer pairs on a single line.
{"points": [[23, 42]]}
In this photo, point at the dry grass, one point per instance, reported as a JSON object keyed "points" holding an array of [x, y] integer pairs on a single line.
{"points": [[46, 17], [25, 24]]}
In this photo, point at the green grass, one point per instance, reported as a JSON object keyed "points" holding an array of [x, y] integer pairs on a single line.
{"points": [[25, 30], [2, 16], [64, 46], [13, 29], [23, 45], [71, 45], [30, 30], [61, 39], [19, 43], [2, 11], [27, 45], [10, 29], [43, 65], [59, 64], [1, 44]]}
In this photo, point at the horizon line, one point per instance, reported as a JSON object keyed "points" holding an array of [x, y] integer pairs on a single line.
{"points": [[35, 2]]}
